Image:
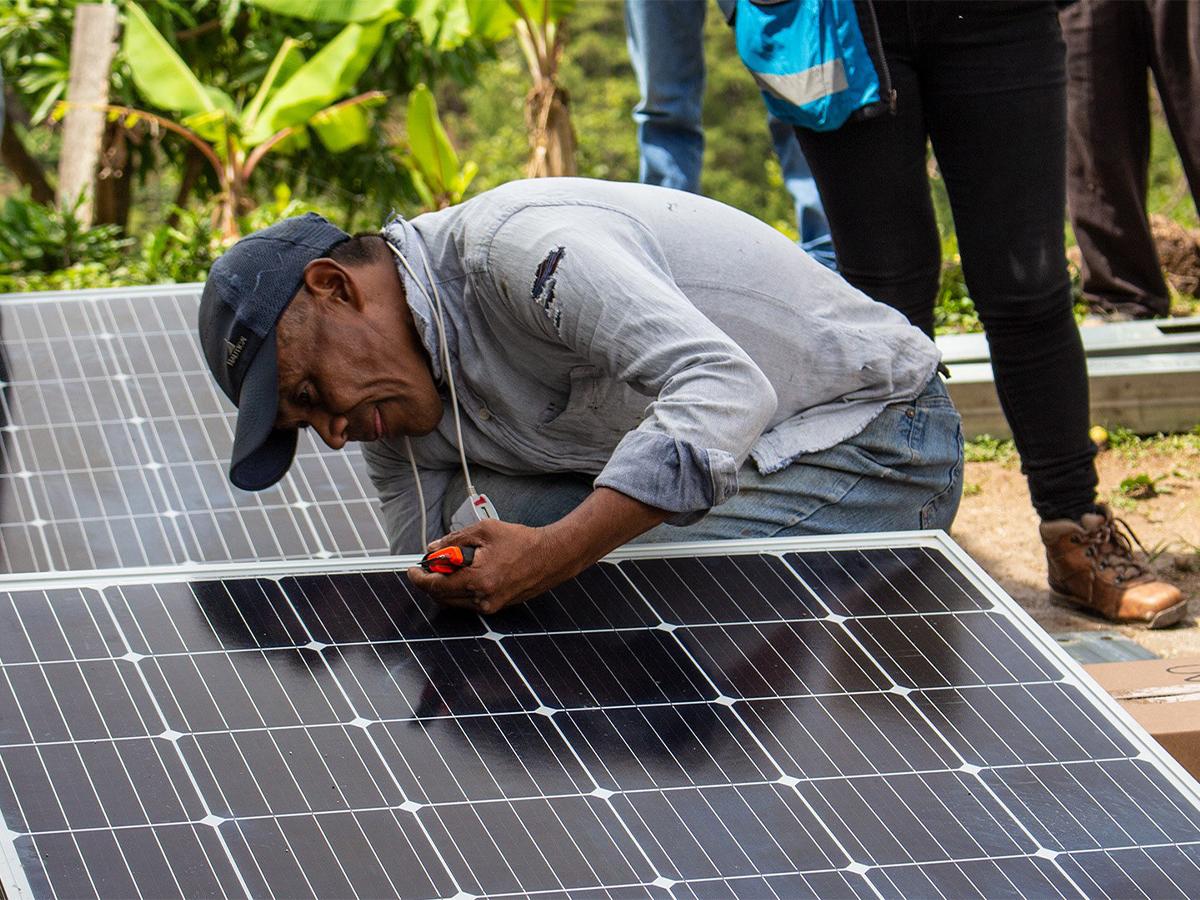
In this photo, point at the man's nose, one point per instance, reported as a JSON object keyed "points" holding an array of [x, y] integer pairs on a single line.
{"points": [[332, 429]]}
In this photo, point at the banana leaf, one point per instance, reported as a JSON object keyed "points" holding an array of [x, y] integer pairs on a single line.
{"points": [[345, 125], [491, 20], [533, 8], [295, 142], [432, 153], [329, 10], [465, 176], [456, 25], [418, 181], [159, 74], [444, 24], [211, 125], [286, 63], [330, 74]]}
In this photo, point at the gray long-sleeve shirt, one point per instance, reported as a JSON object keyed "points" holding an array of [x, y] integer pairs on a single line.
{"points": [[649, 337]]}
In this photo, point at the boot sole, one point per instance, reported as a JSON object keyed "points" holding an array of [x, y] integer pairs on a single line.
{"points": [[1164, 618]]}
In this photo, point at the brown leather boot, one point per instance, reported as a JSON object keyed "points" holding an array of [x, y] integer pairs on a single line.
{"points": [[1092, 566]]}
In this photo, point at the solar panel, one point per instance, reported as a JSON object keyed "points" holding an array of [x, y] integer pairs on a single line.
{"points": [[114, 441], [867, 717]]}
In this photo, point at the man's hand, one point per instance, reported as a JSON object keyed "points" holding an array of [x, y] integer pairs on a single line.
{"points": [[514, 563]]}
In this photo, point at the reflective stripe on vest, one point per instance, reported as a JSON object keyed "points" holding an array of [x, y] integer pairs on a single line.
{"points": [[800, 88]]}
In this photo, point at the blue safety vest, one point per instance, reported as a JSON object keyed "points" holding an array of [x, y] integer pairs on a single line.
{"points": [[810, 60]]}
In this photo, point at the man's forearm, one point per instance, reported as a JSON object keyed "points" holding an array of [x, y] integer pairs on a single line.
{"points": [[514, 562], [601, 523]]}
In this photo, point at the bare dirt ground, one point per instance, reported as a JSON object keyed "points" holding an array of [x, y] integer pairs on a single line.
{"points": [[998, 527]]}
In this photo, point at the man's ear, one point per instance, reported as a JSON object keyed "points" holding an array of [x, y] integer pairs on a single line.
{"points": [[328, 281]]}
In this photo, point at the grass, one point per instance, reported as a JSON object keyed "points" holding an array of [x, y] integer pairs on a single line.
{"points": [[986, 448], [1133, 447], [1130, 447]]}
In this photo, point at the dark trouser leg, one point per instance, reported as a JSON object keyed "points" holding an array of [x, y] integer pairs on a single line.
{"points": [[1175, 61], [1108, 157], [875, 189], [996, 112]]}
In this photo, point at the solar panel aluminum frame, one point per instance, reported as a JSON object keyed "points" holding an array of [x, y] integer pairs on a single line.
{"points": [[146, 290], [15, 884]]}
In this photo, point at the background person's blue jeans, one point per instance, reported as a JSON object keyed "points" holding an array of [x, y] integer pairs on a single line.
{"points": [[666, 48], [903, 471]]}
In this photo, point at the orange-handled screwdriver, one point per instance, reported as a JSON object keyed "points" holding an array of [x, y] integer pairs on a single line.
{"points": [[447, 560]]}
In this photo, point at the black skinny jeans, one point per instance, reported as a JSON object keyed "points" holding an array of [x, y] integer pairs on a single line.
{"points": [[985, 83]]}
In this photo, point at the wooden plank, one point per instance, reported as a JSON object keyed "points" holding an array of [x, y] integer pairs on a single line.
{"points": [[93, 46], [1148, 393], [1113, 339]]}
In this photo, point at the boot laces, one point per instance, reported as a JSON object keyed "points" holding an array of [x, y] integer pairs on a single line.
{"points": [[1109, 546]]}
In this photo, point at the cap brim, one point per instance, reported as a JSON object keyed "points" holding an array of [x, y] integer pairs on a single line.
{"points": [[262, 453]]}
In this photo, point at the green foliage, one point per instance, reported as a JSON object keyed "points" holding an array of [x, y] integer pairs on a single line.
{"points": [[437, 174], [233, 138], [284, 205], [486, 123], [161, 76], [1120, 437], [1142, 487], [954, 310], [291, 93], [986, 448], [329, 10], [79, 277], [40, 238], [330, 74], [35, 41], [246, 50], [1132, 447], [1168, 187], [180, 252]]}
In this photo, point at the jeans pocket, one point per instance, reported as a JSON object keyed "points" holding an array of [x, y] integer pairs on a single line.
{"points": [[888, 440], [941, 509]]}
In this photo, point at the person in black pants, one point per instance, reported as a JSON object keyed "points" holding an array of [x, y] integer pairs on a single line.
{"points": [[1110, 46], [985, 83]]}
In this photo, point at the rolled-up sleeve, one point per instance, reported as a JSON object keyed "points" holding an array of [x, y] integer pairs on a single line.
{"points": [[601, 286]]}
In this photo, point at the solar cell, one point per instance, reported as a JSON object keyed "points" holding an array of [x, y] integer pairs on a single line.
{"points": [[794, 718], [114, 441]]}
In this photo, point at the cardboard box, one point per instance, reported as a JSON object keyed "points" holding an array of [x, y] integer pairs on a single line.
{"points": [[1163, 695]]}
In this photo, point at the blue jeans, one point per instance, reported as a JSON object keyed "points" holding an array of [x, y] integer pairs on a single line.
{"points": [[666, 47], [903, 471]]}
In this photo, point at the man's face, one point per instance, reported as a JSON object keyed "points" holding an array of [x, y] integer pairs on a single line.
{"points": [[350, 363]]}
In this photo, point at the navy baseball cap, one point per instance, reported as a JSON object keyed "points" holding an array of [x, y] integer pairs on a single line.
{"points": [[247, 290]]}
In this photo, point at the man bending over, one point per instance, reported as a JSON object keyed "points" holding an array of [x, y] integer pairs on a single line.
{"points": [[602, 362]]}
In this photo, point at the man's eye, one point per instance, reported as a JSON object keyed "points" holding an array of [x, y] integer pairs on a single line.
{"points": [[305, 397]]}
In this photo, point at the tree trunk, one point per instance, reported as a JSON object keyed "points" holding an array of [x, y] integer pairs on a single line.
{"points": [[114, 184], [21, 163], [193, 168], [551, 137], [93, 45]]}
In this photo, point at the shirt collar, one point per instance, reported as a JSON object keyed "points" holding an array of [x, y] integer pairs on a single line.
{"points": [[407, 240]]}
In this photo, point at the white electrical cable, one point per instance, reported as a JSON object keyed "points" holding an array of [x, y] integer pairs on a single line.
{"points": [[412, 461], [435, 303]]}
